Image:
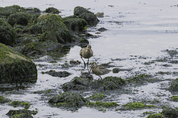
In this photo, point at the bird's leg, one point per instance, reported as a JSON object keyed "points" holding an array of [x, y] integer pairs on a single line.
{"points": [[84, 63], [87, 62]]}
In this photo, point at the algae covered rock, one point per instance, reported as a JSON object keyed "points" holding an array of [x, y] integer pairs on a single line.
{"points": [[58, 74], [158, 115], [87, 15], [24, 104], [6, 11], [108, 83], [20, 18], [174, 85], [7, 33], [40, 48], [52, 28], [52, 10], [3, 99], [14, 67], [68, 99], [21, 113], [170, 112], [77, 83], [75, 24]]}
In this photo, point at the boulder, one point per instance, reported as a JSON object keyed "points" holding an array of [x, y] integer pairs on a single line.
{"points": [[87, 15], [15, 67], [174, 85], [75, 24], [52, 10], [52, 28], [20, 18], [68, 99], [7, 33]]}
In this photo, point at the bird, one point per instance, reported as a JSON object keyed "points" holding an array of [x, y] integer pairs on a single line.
{"points": [[86, 53], [99, 70]]}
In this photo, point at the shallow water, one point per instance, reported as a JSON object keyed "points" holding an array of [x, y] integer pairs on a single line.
{"points": [[137, 31]]}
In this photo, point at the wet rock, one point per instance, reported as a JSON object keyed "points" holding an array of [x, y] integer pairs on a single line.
{"points": [[21, 113], [174, 98], [83, 42], [58, 74], [140, 78], [87, 15], [77, 83], [158, 115], [52, 10], [24, 104], [33, 49], [52, 28], [108, 83], [6, 11], [174, 85], [170, 112], [7, 33], [32, 10], [3, 99], [68, 99], [75, 24], [102, 29], [135, 105], [86, 75], [15, 67], [97, 96], [115, 70], [20, 18], [71, 86]]}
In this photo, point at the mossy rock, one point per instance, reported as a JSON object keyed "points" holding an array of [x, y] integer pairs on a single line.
{"points": [[37, 49], [52, 10], [33, 48], [174, 98], [83, 42], [58, 74], [52, 28], [87, 15], [20, 18], [108, 83], [174, 85], [158, 115], [68, 99], [32, 10], [135, 105], [102, 104], [141, 78], [22, 115], [80, 81], [75, 24], [77, 83], [170, 112], [24, 104], [79, 10], [21, 112], [97, 96], [6, 11], [115, 70], [15, 67], [3, 99], [7, 33]]}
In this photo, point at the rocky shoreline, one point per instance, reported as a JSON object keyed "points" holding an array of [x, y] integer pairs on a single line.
{"points": [[28, 33]]}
